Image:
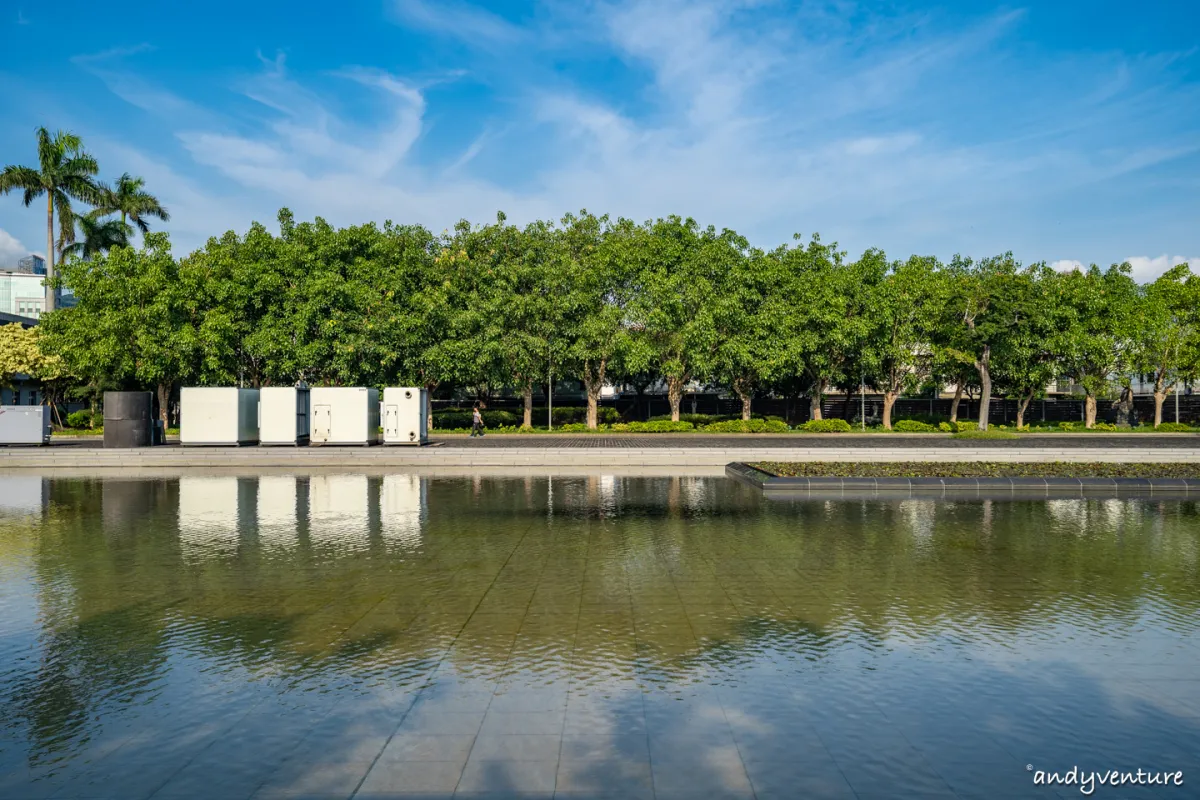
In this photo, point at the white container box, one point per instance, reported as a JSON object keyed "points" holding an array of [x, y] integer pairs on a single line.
{"points": [[344, 415], [283, 415], [25, 425], [405, 415], [218, 415]]}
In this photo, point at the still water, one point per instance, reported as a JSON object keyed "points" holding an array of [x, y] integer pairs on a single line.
{"points": [[403, 636]]}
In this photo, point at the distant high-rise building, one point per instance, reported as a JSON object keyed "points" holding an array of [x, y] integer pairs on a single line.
{"points": [[32, 265]]}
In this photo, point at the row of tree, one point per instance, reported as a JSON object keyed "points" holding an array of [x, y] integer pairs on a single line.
{"points": [[603, 300]]}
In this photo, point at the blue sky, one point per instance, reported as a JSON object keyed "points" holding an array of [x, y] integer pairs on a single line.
{"points": [[1064, 131]]}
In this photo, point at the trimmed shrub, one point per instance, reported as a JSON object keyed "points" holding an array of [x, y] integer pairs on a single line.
{"points": [[574, 427], [742, 426], [912, 426], [79, 419], [944, 427], [978, 434], [1104, 426], [826, 426], [1166, 427], [964, 426], [1068, 426], [660, 426]]}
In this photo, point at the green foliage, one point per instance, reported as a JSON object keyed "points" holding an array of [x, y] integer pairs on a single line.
{"points": [[944, 427], [826, 426], [913, 426], [80, 419], [1104, 426], [655, 426], [575, 427], [1174, 427], [744, 426], [964, 426], [992, 434]]}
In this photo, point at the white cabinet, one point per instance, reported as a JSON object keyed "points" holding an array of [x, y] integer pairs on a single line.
{"points": [[25, 425], [405, 415], [344, 415], [218, 415], [283, 413]]}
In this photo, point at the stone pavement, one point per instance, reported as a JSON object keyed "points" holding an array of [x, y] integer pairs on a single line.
{"points": [[618, 451]]}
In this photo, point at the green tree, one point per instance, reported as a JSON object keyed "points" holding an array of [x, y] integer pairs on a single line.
{"points": [[1025, 351], [903, 307], [746, 321], [130, 322], [596, 274], [824, 323], [64, 173], [682, 271], [982, 308], [99, 235], [1100, 315], [129, 198], [1167, 344]]}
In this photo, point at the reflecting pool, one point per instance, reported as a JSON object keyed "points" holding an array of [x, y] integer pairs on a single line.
{"points": [[338, 635]]}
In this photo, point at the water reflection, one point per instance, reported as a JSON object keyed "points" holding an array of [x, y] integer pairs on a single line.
{"points": [[293, 634]]}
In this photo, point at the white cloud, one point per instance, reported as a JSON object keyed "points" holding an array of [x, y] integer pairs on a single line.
{"points": [[11, 250], [1067, 264], [1147, 269], [729, 111]]}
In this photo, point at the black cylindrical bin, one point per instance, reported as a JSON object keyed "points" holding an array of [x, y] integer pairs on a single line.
{"points": [[128, 419]]}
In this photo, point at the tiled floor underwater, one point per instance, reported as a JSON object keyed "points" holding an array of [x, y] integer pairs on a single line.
{"points": [[344, 636]]}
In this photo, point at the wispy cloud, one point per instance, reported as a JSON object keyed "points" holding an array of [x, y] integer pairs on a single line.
{"points": [[912, 133], [458, 20]]}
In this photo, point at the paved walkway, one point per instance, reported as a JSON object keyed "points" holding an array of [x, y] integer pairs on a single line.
{"points": [[620, 451]]}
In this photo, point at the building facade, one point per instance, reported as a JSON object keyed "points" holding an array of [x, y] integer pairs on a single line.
{"points": [[23, 293]]}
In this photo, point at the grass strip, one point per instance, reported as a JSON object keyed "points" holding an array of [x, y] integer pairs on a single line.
{"points": [[980, 469]]}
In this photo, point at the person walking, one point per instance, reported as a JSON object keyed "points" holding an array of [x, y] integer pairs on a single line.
{"points": [[476, 422]]}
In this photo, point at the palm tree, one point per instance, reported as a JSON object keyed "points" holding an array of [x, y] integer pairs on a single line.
{"points": [[64, 173], [99, 236], [129, 199]]}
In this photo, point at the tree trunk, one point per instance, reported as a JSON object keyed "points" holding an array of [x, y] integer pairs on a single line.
{"points": [[48, 305], [527, 422], [1160, 397], [954, 403], [675, 395], [815, 395], [1023, 406], [743, 391], [429, 387], [164, 398], [1089, 411], [889, 400], [985, 386], [593, 381]]}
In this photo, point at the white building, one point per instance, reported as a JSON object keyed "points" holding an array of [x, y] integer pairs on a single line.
{"points": [[23, 293]]}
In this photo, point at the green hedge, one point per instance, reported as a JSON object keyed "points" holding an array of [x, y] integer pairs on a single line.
{"points": [[977, 434], [1174, 427], [826, 426], [653, 426], [964, 426], [81, 419], [742, 426], [912, 426]]}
